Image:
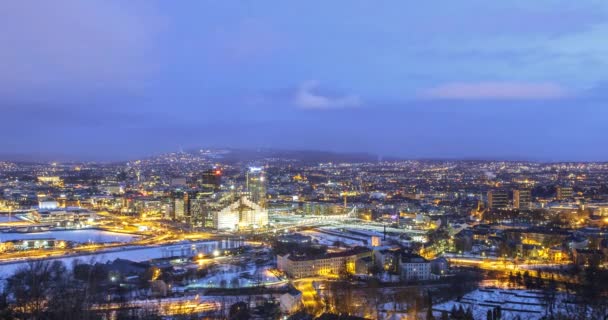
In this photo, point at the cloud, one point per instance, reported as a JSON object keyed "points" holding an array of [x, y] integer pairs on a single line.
{"points": [[74, 45], [496, 90], [308, 97]]}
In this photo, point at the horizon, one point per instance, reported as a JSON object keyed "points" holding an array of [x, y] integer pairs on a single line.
{"points": [[69, 159]]}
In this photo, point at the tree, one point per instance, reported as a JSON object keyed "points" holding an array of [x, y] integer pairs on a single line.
{"points": [[32, 285], [469, 314], [5, 311], [429, 310], [453, 311], [239, 311], [497, 313]]}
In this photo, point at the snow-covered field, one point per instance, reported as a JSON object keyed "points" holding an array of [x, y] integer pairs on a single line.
{"points": [[81, 236], [133, 254], [327, 239], [235, 276], [527, 304], [6, 218]]}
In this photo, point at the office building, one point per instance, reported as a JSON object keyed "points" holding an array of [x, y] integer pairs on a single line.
{"points": [[498, 199], [522, 199], [563, 193], [181, 206], [256, 185], [198, 211], [211, 179]]}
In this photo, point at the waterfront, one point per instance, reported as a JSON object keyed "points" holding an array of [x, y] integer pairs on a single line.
{"points": [[78, 236]]}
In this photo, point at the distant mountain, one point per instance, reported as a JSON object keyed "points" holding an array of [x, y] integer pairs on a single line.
{"points": [[305, 156]]}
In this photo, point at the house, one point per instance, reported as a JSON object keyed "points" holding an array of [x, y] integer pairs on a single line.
{"points": [[588, 257], [440, 266], [388, 259], [290, 301]]}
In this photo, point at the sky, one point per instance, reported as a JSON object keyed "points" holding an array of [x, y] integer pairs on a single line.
{"points": [[470, 79]]}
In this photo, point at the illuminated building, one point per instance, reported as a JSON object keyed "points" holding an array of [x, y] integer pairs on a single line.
{"points": [[198, 211], [329, 264], [69, 217], [415, 267], [27, 244], [497, 199], [181, 206], [47, 204], [291, 301], [388, 259], [522, 199], [563, 193], [256, 185], [212, 179], [62, 201], [295, 238], [376, 241], [242, 214], [52, 180], [226, 220]]}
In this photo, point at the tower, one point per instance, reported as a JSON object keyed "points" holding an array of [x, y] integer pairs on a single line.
{"points": [[256, 185]]}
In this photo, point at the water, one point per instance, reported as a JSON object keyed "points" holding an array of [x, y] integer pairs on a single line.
{"points": [[80, 236]]}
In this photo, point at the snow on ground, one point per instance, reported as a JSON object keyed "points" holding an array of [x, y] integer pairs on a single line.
{"points": [[8, 219], [133, 254], [81, 236], [526, 304], [237, 276], [329, 240]]}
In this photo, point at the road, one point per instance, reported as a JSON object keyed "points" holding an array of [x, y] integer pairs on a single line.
{"points": [[510, 267], [162, 238]]}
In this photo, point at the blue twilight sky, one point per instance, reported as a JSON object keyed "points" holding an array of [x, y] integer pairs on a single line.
{"points": [[420, 79]]}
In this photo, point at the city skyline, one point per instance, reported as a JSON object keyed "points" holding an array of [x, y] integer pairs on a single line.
{"points": [[113, 81], [303, 160]]}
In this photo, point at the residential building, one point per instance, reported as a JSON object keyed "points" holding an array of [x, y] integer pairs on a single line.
{"points": [[415, 267], [329, 264]]}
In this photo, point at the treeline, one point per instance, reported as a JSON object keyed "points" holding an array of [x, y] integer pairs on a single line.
{"points": [[50, 290]]}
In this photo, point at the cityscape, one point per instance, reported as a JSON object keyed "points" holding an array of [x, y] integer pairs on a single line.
{"points": [[209, 234], [303, 160]]}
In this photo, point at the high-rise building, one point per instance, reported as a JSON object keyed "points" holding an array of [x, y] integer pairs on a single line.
{"points": [[181, 206], [498, 199], [256, 185], [212, 179], [522, 199], [564, 193], [198, 211]]}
